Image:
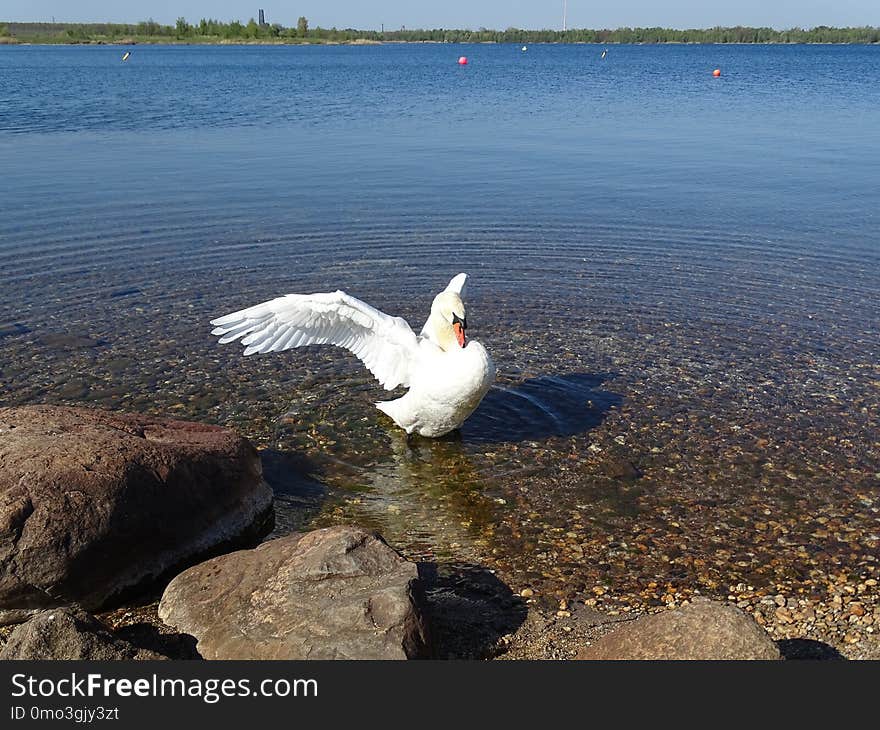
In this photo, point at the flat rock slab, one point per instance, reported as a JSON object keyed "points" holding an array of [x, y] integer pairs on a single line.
{"points": [[69, 633], [336, 593], [94, 503], [702, 630]]}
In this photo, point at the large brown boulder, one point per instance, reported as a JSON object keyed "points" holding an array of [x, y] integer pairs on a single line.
{"points": [[336, 593], [95, 503], [702, 630], [69, 633]]}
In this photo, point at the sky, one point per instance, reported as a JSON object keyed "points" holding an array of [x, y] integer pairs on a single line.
{"points": [[499, 14]]}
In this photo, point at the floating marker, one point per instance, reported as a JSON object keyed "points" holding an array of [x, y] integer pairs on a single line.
{"points": [[126, 55], [462, 61], [716, 73], [525, 48], [604, 53]]}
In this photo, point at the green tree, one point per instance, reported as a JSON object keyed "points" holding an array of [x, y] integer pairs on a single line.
{"points": [[183, 28], [78, 33], [3, 30], [253, 30], [234, 30], [148, 27], [302, 26]]}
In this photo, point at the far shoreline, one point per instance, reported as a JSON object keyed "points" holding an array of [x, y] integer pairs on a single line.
{"points": [[7, 41], [209, 31]]}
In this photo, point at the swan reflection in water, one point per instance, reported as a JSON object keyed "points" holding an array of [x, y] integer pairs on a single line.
{"points": [[441, 497]]}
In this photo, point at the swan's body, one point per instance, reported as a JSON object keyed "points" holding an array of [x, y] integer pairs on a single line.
{"points": [[445, 389], [446, 374]]}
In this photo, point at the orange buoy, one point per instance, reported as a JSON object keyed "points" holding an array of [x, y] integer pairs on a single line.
{"points": [[716, 73], [462, 61]]}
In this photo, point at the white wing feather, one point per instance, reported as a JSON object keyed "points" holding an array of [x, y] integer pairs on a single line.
{"points": [[386, 345]]}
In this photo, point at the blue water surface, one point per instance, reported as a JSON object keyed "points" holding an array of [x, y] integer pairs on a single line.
{"points": [[783, 148], [676, 274]]}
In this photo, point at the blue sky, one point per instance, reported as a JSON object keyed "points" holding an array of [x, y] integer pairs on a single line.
{"points": [[463, 13]]}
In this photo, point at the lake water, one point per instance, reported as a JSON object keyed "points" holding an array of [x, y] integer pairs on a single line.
{"points": [[677, 276]]}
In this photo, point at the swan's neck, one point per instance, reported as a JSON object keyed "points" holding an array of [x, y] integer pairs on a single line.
{"points": [[440, 332]]}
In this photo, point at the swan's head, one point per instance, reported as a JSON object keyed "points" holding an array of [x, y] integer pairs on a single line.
{"points": [[448, 320]]}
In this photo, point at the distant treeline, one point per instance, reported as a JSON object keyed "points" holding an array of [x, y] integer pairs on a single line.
{"points": [[211, 31]]}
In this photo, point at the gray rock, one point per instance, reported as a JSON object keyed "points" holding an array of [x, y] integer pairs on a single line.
{"points": [[702, 630], [69, 633], [336, 593], [94, 503]]}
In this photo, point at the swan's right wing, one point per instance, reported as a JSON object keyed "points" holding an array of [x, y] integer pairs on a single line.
{"points": [[386, 345]]}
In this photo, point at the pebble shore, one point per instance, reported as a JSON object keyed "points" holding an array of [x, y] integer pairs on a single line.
{"points": [[750, 475]]}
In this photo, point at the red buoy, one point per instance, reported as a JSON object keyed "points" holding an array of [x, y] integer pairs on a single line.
{"points": [[462, 61], [716, 73]]}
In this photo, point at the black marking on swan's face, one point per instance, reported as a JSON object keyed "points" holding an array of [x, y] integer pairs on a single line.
{"points": [[459, 327]]}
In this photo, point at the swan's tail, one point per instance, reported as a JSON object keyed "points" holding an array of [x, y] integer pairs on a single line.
{"points": [[397, 411]]}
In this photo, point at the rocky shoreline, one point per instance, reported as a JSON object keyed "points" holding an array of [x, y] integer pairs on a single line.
{"points": [[120, 538]]}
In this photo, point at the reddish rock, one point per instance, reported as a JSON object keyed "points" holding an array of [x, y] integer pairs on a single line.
{"points": [[94, 503]]}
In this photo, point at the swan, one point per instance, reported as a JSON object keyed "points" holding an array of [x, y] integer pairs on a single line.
{"points": [[447, 374]]}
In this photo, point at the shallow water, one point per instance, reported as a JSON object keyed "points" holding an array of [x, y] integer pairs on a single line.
{"points": [[677, 277]]}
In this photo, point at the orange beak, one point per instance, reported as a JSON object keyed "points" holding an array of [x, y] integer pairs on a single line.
{"points": [[459, 333]]}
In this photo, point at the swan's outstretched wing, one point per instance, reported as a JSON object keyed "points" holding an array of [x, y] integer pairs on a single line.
{"points": [[386, 345]]}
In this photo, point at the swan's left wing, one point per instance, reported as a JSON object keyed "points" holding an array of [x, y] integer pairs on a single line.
{"points": [[386, 345]]}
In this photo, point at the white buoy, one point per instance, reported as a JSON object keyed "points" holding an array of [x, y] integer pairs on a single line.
{"points": [[525, 48]]}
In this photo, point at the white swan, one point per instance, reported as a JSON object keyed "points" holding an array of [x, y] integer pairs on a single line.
{"points": [[447, 374]]}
